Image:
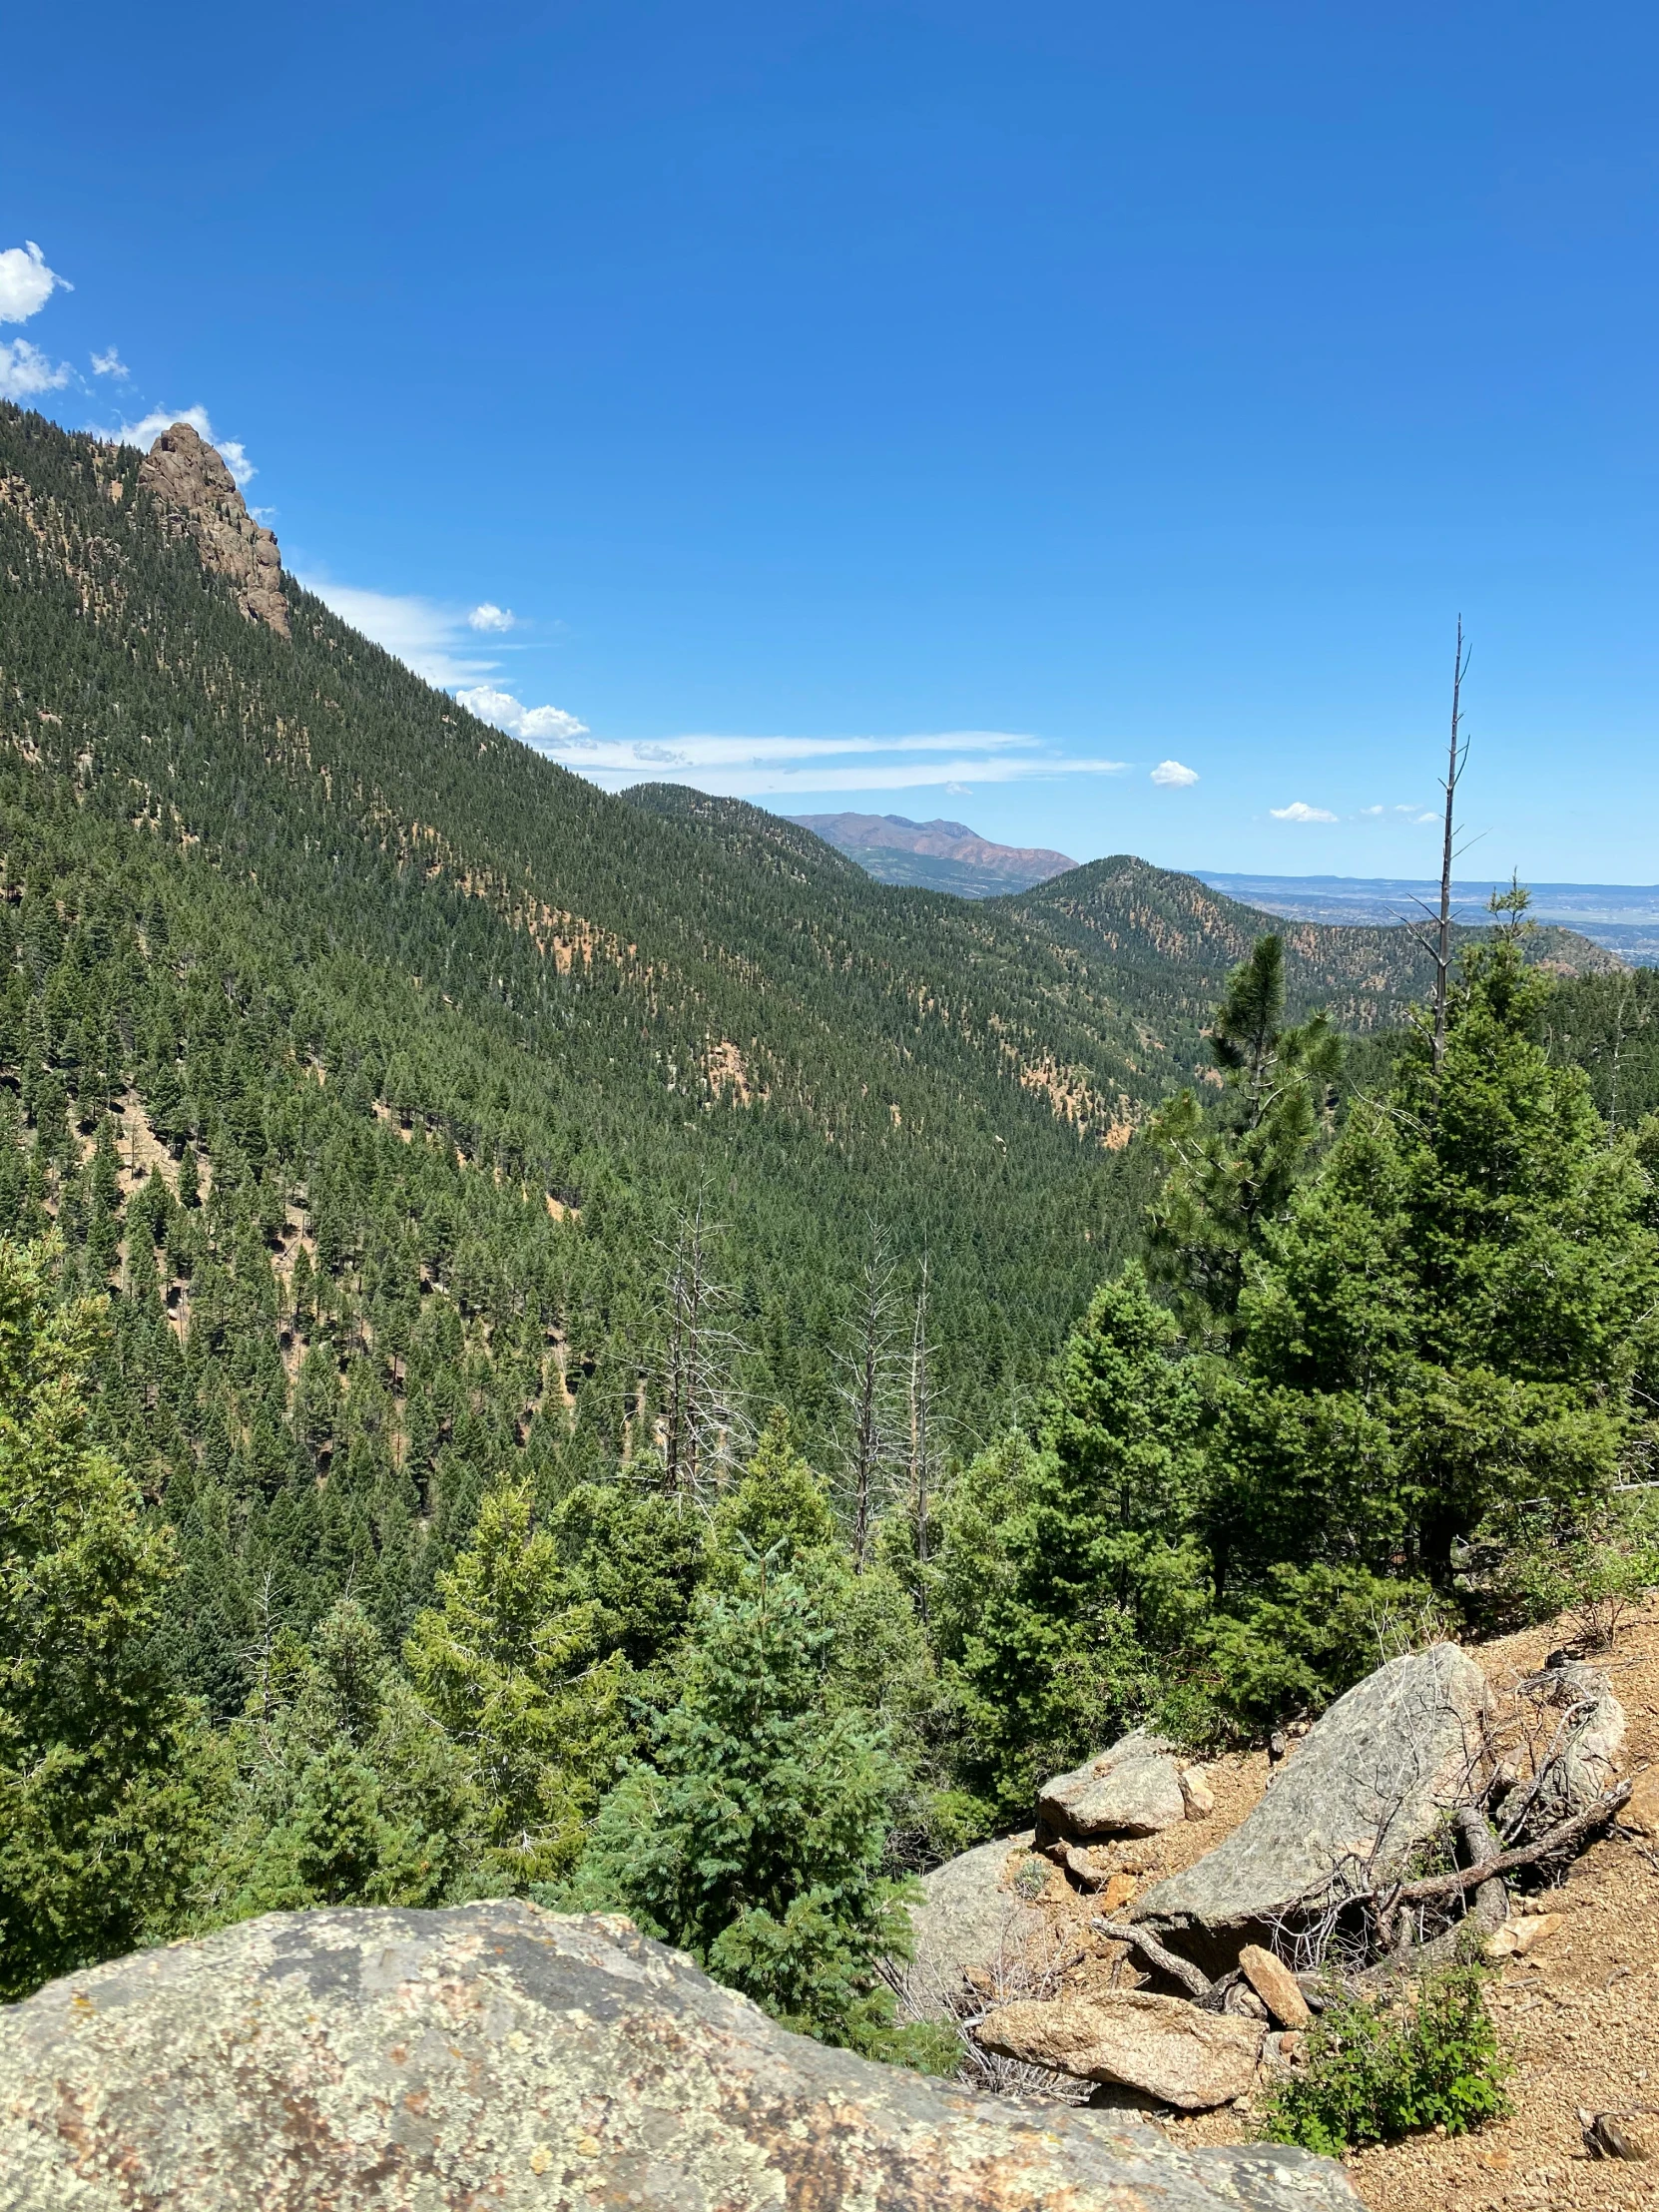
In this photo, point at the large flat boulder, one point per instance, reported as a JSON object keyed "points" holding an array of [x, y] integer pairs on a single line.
{"points": [[971, 1926], [1168, 2048], [1132, 1789], [494, 2054], [1371, 1779]]}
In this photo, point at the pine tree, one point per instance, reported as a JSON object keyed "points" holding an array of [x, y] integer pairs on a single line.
{"points": [[1232, 1170], [1446, 1327], [1085, 1562], [753, 1836], [513, 1669], [105, 1783]]}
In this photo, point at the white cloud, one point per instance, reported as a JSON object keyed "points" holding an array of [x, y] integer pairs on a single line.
{"points": [[546, 727], [1300, 811], [110, 365], [26, 283], [25, 369], [1415, 813], [1173, 775], [149, 427], [433, 640], [749, 768], [487, 616]]}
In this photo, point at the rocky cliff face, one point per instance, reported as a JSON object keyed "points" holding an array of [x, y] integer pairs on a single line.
{"points": [[499, 2056], [199, 498]]}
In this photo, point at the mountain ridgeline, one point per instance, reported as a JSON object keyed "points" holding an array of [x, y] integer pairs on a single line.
{"points": [[935, 856], [372, 1064]]}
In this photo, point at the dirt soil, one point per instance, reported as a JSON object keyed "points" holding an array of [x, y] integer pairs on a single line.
{"points": [[1579, 2016]]}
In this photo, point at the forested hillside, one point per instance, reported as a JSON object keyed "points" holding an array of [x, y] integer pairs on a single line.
{"points": [[500, 1285], [405, 1050]]}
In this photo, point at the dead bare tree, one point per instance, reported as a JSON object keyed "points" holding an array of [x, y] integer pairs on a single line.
{"points": [[1457, 755], [873, 1394], [1439, 944], [701, 1426], [920, 1465]]}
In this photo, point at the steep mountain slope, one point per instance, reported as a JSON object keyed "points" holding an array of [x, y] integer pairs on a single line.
{"points": [[934, 855], [369, 1058]]}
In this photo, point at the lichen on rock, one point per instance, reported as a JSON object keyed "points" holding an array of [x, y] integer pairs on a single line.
{"points": [[496, 2054]]}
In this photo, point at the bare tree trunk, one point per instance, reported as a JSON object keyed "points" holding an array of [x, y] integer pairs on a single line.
{"points": [[698, 1417], [1457, 753], [920, 1470], [871, 1392]]}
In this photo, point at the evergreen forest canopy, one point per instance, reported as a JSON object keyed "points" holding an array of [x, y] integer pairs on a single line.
{"points": [[534, 1326]]}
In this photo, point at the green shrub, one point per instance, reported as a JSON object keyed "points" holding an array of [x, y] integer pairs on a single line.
{"points": [[1309, 1636], [1373, 2075], [1598, 1574]]}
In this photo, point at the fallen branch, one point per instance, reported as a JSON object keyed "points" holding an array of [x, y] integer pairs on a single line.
{"points": [[1149, 1947], [1446, 1886]]}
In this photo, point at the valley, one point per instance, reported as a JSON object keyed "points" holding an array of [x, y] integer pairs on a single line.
{"points": [[543, 1330]]}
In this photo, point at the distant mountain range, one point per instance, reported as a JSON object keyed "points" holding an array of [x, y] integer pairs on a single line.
{"points": [[1622, 917], [935, 856]]}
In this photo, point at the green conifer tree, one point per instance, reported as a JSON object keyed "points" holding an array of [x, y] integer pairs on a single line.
{"points": [[1082, 1553], [105, 1785], [754, 1838], [514, 1670], [1233, 1168]]}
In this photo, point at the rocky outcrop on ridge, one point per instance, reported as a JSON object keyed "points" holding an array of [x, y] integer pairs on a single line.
{"points": [[498, 2055], [199, 499]]}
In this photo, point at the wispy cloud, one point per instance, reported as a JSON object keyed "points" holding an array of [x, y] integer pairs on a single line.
{"points": [[1300, 811], [425, 634], [26, 283], [440, 643], [110, 365], [1173, 775], [750, 768]]}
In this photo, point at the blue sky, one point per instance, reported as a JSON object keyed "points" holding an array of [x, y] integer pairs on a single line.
{"points": [[939, 408]]}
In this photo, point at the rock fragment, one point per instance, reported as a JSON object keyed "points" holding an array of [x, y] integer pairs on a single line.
{"points": [[1276, 1985], [1132, 1789], [1577, 1757], [1196, 1790], [1160, 2046], [972, 1925]]}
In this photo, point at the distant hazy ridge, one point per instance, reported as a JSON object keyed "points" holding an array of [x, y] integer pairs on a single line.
{"points": [[935, 856], [1622, 917]]}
